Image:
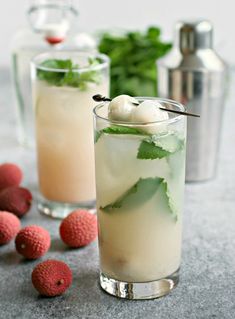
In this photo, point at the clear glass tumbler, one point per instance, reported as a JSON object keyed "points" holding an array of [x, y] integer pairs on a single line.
{"points": [[63, 85], [140, 174]]}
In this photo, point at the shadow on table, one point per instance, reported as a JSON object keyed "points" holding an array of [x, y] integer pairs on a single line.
{"points": [[79, 298], [12, 258], [58, 246], [83, 298]]}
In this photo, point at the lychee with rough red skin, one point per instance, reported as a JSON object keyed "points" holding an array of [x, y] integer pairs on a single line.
{"points": [[52, 277], [32, 242], [9, 227], [10, 175], [79, 228], [16, 200]]}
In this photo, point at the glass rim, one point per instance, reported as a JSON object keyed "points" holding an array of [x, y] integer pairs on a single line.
{"points": [[37, 59], [177, 118], [51, 4]]}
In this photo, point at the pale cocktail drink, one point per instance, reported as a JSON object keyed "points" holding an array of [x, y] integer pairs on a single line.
{"points": [[63, 86], [140, 170]]}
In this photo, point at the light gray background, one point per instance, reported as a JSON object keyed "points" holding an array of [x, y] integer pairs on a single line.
{"points": [[134, 14]]}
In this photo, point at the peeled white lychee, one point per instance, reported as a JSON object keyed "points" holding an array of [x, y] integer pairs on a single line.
{"points": [[121, 107], [147, 112]]}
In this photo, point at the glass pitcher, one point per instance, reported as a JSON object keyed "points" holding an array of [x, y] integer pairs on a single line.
{"points": [[52, 27]]}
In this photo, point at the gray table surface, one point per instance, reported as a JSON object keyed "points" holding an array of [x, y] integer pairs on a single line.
{"points": [[207, 283]]}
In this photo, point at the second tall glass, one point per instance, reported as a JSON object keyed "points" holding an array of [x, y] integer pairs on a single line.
{"points": [[63, 84]]}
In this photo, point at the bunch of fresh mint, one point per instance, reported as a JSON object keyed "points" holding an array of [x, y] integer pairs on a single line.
{"points": [[70, 77], [133, 61]]}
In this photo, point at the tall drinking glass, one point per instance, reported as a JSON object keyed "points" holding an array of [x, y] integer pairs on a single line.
{"points": [[140, 173], [63, 84]]}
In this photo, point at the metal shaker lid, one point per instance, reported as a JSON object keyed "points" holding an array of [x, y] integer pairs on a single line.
{"points": [[193, 35]]}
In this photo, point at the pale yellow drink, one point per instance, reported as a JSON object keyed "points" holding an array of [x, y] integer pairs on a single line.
{"points": [[64, 133], [63, 86], [140, 202], [143, 242]]}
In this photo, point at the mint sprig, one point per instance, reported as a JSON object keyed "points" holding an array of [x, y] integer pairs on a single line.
{"points": [[157, 146], [142, 191], [118, 130], [69, 77]]}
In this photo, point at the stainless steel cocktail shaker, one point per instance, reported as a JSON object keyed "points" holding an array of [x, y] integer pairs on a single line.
{"points": [[192, 73]]}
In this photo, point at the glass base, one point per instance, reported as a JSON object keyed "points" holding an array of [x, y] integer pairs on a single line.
{"points": [[61, 210], [139, 290]]}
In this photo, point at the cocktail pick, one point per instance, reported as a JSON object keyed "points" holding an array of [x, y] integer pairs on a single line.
{"points": [[101, 98]]}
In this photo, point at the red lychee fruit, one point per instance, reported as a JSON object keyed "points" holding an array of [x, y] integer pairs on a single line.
{"points": [[79, 228], [32, 242], [10, 175], [9, 227], [16, 200], [51, 277]]}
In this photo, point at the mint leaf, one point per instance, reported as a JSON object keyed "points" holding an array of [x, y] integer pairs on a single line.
{"points": [[119, 130], [158, 146], [70, 77], [91, 76], [52, 77], [170, 142], [170, 203], [148, 150], [57, 64], [97, 135], [115, 129], [139, 193]]}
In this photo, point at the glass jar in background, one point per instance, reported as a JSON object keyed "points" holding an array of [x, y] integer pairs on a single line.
{"points": [[63, 86], [140, 173], [52, 27]]}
